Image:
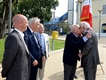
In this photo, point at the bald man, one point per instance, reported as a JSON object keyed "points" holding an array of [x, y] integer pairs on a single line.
{"points": [[44, 41], [16, 59], [70, 55]]}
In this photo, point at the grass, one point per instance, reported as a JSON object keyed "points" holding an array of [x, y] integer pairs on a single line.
{"points": [[1, 49], [58, 44]]}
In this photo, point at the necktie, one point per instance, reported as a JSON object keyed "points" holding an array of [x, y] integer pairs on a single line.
{"points": [[36, 39], [42, 42]]}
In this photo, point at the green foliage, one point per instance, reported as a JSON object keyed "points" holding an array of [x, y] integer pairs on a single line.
{"points": [[36, 8], [64, 27], [29, 8], [1, 49], [1, 5], [4, 15]]}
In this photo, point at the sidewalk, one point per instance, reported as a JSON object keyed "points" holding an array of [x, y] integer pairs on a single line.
{"points": [[54, 65]]}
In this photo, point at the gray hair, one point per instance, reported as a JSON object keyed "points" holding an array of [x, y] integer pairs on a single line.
{"points": [[33, 20], [85, 24]]}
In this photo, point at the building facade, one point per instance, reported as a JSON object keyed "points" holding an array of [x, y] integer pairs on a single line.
{"points": [[99, 19]]}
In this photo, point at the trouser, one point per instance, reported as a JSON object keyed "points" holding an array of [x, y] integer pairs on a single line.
{"points": [[33, 72], [40, 73], [90, 73], [69, 72]]}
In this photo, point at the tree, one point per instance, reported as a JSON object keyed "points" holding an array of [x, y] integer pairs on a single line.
{"points": [[4, 11], [29, 8], [37, 8]]}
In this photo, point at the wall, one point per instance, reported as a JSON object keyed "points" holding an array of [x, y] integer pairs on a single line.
{"points": [[97, 5]]}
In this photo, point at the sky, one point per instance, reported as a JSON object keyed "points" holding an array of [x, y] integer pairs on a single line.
{"points": [[62, 8]]}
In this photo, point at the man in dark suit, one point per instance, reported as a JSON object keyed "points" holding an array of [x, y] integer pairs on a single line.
{"points": [[89, 54], [71, 50], [34, 46], [16, 59]]}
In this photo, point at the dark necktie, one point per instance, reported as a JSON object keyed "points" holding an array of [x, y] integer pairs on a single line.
{"points": [[37, 36]]}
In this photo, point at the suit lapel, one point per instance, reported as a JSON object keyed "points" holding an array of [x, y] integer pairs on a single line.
{"points": [[25, 45], [75, 37], [23, 42], [36, 43], [32, 37]]}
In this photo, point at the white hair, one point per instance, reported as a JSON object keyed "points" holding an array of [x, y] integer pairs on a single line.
{"points": [[33, 20], [85, 24]]}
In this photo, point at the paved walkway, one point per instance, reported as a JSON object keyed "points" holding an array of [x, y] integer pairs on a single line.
{"points": [[54, 65]]}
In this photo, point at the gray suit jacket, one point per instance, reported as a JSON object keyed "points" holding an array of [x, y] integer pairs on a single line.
{"points": [[16, 60], [90, 55]]}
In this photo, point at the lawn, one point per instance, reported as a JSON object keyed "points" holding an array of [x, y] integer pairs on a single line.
{"points": [[58, 44], [1, 48]]}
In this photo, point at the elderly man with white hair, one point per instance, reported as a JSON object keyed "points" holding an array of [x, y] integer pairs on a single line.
{"points": [[89, 53], [34, 46], [70, 55]]}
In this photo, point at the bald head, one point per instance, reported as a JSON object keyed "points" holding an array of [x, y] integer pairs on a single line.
{"points": [[75, 29], [20, 22], [17, 18], [41, 28]]}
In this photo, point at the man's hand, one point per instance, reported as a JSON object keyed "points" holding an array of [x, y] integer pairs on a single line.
{"points": [[80, 55], [35, 62], [88, 35], [80, 35], [43, 58]]}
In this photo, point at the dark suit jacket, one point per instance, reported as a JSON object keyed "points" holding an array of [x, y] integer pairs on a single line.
{"points": [[16, 60], [71, 49], [90, 54], [33, 46]]}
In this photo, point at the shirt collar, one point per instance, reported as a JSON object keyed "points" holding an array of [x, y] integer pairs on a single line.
{"points": [[30, 29], [21, 33], [75, 35]]}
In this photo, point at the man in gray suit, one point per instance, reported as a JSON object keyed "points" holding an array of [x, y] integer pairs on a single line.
{"points": [[89, 54], [16, 59]]}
